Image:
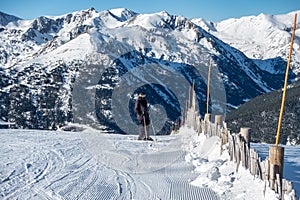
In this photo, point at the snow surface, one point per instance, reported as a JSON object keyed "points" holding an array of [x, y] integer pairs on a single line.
{"points": [[78, 49], [91, 165], [5, 123]]}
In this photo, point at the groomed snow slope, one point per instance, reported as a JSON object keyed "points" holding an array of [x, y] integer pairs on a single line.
{"points": [[90, 165]]}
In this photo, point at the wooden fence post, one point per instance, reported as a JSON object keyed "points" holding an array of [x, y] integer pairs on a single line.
{"points": [[267, 165], [218, 120], [276, 163], [238, 142], [230, 146], [207, 117], [207, 120], [218, 124], [223, 138], [245, 133], [200, 127]]}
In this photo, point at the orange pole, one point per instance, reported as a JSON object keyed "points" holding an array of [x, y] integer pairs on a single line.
{"points": [[208, 87], [285, 83]]}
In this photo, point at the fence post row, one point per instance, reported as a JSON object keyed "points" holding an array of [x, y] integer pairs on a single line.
{"points": [[270, 170]]}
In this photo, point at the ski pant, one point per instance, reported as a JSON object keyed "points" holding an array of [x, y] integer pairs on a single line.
{"points": [[142, 134]]}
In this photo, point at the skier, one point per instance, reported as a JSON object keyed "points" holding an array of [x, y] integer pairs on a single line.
{"points": [[141, 110]]}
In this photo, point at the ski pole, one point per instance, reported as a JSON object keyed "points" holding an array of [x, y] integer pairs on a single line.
{"points": [[151, 122], [145, 127]]}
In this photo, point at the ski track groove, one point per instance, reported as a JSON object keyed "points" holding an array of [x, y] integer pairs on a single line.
{"points": [[24, 179], [178, 179], [65, 169], [86, 180], [105, 187], [126, 185]]}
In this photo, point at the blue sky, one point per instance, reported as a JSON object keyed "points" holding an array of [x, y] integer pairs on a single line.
{"points": [[212, 10]]}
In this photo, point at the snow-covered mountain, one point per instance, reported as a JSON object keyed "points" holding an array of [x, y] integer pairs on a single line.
{"points": [[263, 38], [87, 67], [5, 19]]}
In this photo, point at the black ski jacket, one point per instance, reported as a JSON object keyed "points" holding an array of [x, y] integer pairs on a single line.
{"points": [[141, 111]]}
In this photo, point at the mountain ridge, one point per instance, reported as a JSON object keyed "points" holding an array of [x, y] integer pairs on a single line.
{"points": [[55, 54], [263, 38], [7, 18]]}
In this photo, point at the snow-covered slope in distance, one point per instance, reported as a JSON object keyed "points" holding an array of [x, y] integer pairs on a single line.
{"points": [[264, 38]]}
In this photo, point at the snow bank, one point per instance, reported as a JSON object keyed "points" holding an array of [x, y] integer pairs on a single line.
{"points": [[219, 173]]}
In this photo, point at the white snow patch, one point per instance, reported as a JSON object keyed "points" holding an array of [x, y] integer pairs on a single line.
{"points": [[218, 172]]}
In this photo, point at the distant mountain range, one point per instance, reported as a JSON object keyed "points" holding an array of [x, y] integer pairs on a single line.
{"points": [[263, 38], [87, 66]]}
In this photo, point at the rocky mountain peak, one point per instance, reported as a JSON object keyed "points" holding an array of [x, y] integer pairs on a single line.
{"points": [[6, 18], [122, 14]]}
